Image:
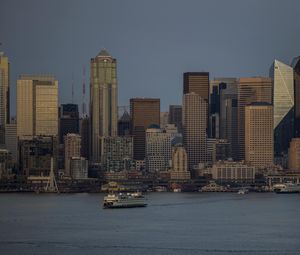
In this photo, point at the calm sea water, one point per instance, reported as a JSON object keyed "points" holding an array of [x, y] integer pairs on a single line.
{"points": [[173, 223]]}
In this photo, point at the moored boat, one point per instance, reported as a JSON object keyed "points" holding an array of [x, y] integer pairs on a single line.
{"points": [[124, 200], [285, 188]]}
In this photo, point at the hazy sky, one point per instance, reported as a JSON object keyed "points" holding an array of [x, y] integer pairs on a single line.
{"points": [[154, 41]]}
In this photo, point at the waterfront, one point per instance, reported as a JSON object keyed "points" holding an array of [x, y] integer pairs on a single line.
{"points": [[173, 223]]}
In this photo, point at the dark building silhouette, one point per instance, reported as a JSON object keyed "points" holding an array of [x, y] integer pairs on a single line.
{"points": [[124, 124], [143, 112], [68, 120], [175, 116], [84, 133], [296, 67]]}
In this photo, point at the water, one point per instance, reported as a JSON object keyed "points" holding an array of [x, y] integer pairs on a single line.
{"points": [[173, 223]]}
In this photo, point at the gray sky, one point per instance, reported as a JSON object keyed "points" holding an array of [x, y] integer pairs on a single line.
{"points": [[154, 41]]}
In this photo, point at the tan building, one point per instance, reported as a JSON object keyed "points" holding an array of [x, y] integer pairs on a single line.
{"points": [[72, 144], [144, 112], [179, 169], [4, 95], [194, 128], [232, 171], [294, 154], [259, 139], [37, 106], [250, 90], [103, 100]]}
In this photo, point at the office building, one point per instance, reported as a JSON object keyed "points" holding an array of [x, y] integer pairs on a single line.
{"points": [[179, 169], [294, 154], [11, 142], [116, 153], [72, 147], [159, 147], [143, 112], [194, 128], [84, 133], [103, 100], [68, 120], [164, 119], [283, 103], [37, 106], [250, 90], [218, 149], [124, 124], [4, 95], [35, 153], [296, 67], [175, 116], [78, 168], [259, 139]]}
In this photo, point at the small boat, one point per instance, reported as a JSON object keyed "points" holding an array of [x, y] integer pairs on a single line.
{"points": [[160, 189], [286, 188], [243, 191], [176, 190], [124, 200]]}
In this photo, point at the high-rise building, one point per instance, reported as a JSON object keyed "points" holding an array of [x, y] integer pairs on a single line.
{"points": [[250, 90], [197, 82], [194, 128], [78, 168], [116, 153], [84, 133], [72, 147], [11, 142], [218, 149], [259, 139], [159, 147], [37, 106], [164, 119], [175, 116], [294, 154], [143, 112], [124, 124], [103, 101], [68, 120], [296, 67], [283, 103], [4, 95]]}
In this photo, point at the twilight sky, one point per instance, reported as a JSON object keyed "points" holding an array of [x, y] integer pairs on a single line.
{"points": [[154, 41]]}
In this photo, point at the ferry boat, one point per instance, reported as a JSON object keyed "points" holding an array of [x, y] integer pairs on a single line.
{"points": [[243, 191], [124, 200], [284, 188]]}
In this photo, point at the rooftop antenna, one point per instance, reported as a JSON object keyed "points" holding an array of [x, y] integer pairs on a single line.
{"points": [[83, 91]]}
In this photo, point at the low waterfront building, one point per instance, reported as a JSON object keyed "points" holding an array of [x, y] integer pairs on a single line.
{"points": [[232, 171], [5, 164]]}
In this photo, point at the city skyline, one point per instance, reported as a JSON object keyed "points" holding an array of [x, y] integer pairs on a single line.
{"points": [[164, 52]]}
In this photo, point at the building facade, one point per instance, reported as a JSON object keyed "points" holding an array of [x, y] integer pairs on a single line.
{"points": [[259, 139], [37, 106], [103, 101], [143, 112], [283, 103], [68, 120], [11, 141], [194, 128], [251, 90], [179, 169], [78, 168], [72, 147], [296, 67], [294, 154], [175, 116]]}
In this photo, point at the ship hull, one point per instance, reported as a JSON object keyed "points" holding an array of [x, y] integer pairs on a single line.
{"points": [[119, 206]]}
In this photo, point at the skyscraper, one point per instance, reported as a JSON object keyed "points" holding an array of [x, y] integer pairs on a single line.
{"points": [[37, 106], [143, 112], [296, 67], [72, 146], [194, 128], [294, 154], [68, 120], [197, 82], [283, 102], [103, 100], [259, 137], [250, 90], [175, 116], [4, 95], [124, 124]]}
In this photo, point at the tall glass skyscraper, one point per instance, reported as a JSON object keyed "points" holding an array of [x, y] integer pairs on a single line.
{"points": [[283, 103], [103, 100]]}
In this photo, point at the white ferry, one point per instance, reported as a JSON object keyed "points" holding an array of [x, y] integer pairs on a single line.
{"points": [[124, 200], [288, 187]]}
